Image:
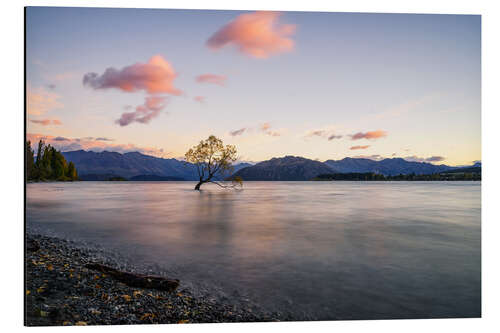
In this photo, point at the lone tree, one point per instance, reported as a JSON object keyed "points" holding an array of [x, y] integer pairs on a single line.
{"points": [[212, 159]]}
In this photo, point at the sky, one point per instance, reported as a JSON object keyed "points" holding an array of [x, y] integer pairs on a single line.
{"points": [[311, 84]]}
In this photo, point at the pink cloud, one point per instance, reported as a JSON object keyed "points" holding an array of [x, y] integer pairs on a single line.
{"points": [[212, 78], [358, 147], [145, 112], [266, 128], [273, 133], [323, 133], [39, 101], [200, 99], [46, 122], [155, 76], [369, 135], [257, 34], [89, 143]]}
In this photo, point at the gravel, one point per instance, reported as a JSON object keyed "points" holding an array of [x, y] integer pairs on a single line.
{"points": [[61, 291]]}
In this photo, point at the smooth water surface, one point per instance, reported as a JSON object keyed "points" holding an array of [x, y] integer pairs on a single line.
{"points": [[319, 250]]}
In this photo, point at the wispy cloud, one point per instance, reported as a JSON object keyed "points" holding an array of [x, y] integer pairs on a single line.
{"points": [[375, 157], [155, 76], [320, 133], [89, 143], [264, 128], [40, 101], [327, 133], [407, 107], [237, 132], [424, 159], [333, 136], [145, 112], [200, 99], [64, 76], [212, 78], [372, 135], [435, 159], [359, 147], [46, 122], [258, 34]]}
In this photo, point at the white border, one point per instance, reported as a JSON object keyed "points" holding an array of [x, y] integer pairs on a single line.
{"points": [[11, 287]]}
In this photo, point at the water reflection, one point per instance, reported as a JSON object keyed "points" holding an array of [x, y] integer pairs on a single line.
{"points": [[321, 250]]}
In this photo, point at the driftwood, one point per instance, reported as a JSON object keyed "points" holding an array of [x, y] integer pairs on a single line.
{"points": [[137, 280]]}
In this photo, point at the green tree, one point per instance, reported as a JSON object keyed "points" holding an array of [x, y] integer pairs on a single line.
{"points": [[38, 163], [211, 159], [71, 173], [46, 163], [50, 164], [58, 165], [30, 161]]}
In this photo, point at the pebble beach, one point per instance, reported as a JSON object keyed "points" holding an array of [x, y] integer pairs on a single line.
{"points": [[60, 290]]}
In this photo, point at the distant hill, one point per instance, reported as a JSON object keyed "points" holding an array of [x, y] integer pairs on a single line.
{"points": [[299, 168], [129, 164], [136, 166], [387, 167], [284, 168], [155, 178], [472, 169], [97, 177], [104, 165]]}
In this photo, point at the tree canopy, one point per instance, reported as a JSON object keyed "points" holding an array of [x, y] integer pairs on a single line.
{"points": [[213, 160], [50, 164]]}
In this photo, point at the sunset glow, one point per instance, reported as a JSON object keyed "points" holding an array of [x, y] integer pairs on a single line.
{"points": [[318, 85]]}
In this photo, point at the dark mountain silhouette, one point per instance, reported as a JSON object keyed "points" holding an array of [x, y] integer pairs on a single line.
{"points": [[103, 165], [284, 168], [349, 164], [129, 164], [387, 167], [97, 177], [476, 168], [154, 178]]}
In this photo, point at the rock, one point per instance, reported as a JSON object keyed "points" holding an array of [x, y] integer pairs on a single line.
{"points": [[32, 245]]}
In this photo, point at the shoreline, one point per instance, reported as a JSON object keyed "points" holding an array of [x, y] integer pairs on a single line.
{"points": [[60, 290]]}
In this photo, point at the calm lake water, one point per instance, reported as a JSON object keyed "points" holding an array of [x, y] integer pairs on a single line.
{"points": [[319, 250]]}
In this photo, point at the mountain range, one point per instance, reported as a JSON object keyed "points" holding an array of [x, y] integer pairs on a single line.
{"points": [[136, 166], [106, 164], [284, 168], [386, 167]]}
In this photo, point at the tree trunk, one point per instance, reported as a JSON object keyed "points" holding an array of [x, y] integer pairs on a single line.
{"points": [[137, 280]]}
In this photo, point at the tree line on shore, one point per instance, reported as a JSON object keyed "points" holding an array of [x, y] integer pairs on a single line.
{"points": [[451, 175], [48, 164]]}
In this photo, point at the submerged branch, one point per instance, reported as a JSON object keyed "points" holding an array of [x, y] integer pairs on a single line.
{"points": [[224, 185]]}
